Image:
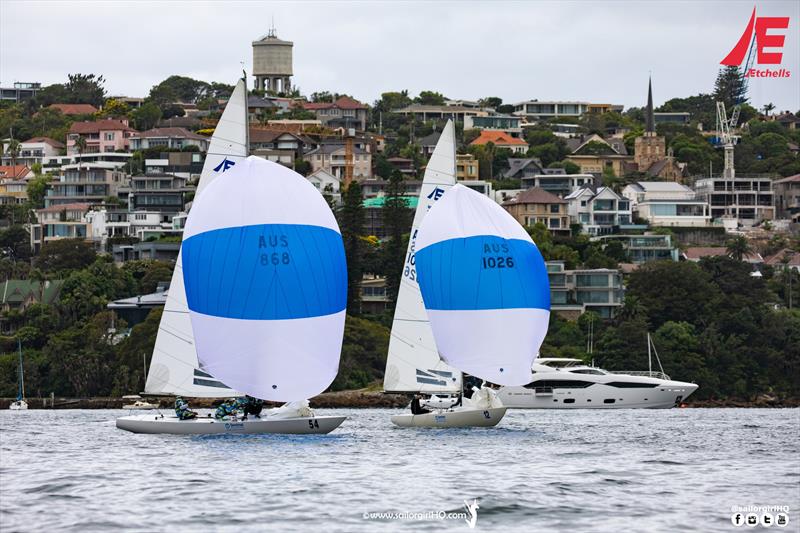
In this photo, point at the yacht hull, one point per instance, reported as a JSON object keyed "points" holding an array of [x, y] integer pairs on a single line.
{"points": [[157, 424], [19, 405], [461, 418], [598, 396]]}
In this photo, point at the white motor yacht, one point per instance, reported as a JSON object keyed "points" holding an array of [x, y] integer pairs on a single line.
{"points": [[560, 383]]}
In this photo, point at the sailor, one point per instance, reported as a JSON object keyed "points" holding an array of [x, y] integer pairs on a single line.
{"points": [[226, 410], [250, 406], [182, 409], [416, 407]]}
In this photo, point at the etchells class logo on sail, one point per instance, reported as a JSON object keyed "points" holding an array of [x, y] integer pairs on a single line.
{"points": [[224, 165], [759, 36]]}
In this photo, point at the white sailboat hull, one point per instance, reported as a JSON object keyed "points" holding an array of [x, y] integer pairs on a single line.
{"points": [[461, 418], [157, 424], [19, 405]]}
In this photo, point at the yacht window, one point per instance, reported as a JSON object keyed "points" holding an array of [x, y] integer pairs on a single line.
{"points": [[558, 384], [588, 371], [569, 400], [631, 385], [609, 400]]}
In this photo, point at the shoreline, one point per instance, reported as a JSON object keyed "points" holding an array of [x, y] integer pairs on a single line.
{"points": [[348, 399]]}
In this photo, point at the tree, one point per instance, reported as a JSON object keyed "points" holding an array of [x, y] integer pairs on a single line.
{"points": [[571, 168], [491, 101], [768, 108], [147, 116], [393, 100], [84, 89], [178, 89], [352, 227], [738, 247], [65, 254], [322, 96], [13, 149], [730, 86], [396, 222], [430, 98], [115, 109], [16, 242], [80, 146]]}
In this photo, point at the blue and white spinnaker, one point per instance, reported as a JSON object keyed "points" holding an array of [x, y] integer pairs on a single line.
{"points": [[266, 282], [485, 287]]}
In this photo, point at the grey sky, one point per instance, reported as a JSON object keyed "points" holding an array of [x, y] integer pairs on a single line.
{"points": [[589, 50]]}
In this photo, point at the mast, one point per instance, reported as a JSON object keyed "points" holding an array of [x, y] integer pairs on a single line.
{"points": [[649, 356], [21, 372], [246, 114]]}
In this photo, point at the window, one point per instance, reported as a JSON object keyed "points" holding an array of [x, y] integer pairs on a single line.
{"points": [[555, 223], [583, 203], [554, 208], [108, 136], [631, 385], [569, 400], [588, 371], [558, 384]]}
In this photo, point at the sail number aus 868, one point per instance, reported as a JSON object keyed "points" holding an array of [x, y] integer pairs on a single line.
{"points": [[275, 258]]}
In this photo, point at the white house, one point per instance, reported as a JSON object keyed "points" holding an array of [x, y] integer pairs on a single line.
{"points": [[667, 203], [31, 151], [598, 211]]}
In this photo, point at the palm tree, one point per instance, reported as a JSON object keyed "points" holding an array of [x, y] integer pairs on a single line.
{"points": [[632, 308], [13, 150], [768, 108], [738, 247], [80, 145]]}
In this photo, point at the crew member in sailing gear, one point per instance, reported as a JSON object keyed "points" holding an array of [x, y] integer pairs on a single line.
{"points": [[250, 406], [182, 409], [416, 408], [228, 408]]}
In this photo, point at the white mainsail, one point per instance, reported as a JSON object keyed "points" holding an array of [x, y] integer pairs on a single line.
{"points": [[174, 368], [413, 362]]}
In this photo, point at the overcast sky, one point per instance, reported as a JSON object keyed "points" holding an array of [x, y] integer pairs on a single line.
{"points": [[585, 50]]}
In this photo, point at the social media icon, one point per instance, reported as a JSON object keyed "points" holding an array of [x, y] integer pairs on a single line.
{"points": [[766, 520], [737, 519], [751, 520], [782, 519]]}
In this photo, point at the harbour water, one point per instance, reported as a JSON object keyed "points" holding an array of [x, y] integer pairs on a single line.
{"points": [[583, 470]]}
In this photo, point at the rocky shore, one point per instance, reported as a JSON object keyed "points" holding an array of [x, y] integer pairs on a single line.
{"points": [[349, 399]]}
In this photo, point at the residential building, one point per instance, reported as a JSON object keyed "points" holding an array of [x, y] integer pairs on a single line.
{"points": [[86, 183], [509, 124], [187, 165], [134, 310], [13, 191], [787, 119], [173, 138], [403, 165], [32, 151], [667, 203], [696, 253], [787, 197], [573, 292], [480, 186], [599, 211], [467, 167], [19, 294], [373, 208], [747, 199], [278, 145], [15, 172], [501, 139], [258, 107], [643, 248], [785, 258], [535, 110], [20, 91], [532, 173], [57, 163], [373, 294], [674, 117], [331, 157], [604, 108], [326, 183], [596, 155], [108, 224], [345, 112], [107, 135], [425, 112], [63, 221], [162, 193], [539, 206], [74, 109], [160, 251], [428, 144]]}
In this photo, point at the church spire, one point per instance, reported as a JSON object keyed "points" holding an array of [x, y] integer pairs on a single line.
{"points": [[650, 124]]}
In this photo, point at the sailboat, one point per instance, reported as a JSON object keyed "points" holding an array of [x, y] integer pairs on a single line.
{"points": [[486, 293], [199, 349], [20, 404]]}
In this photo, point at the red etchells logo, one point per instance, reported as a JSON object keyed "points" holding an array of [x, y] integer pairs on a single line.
{"points": [[757, 28]]}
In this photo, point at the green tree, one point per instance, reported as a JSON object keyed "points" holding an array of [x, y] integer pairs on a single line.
{"points": [[397, 222], [84, 89], [391, 101], [738, 247], [37, 189], [351, 222], [147, 116], [430, 98], [115, 109], [16, 241], [64, 255], [364, 351], [730, 87]]}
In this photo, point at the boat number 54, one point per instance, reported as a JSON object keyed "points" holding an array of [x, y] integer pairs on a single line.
{"points": [[313, 424], [486, 414]]}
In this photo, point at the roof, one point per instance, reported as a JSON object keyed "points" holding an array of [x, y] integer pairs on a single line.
{"points": [[430, 140], [14, 172], [254, 101], [695, 253], [516, 165], [661, 186], [168, 132], [64, 207], [329, 148], [47, 140], [97, 126], [344, 102], [497, 137], [444, 109], [535, 195], [19, 290], [777, 258], [258, 135], [378, 202], [74, 109], [790, 179], [144, 300]]}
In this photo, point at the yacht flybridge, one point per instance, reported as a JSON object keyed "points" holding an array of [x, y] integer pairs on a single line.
{"points": [[560, 383]]}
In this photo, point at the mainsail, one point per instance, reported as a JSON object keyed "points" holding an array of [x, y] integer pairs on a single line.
{"points": [[485, 287], [174, 367], [413, 362], [266, 282]]}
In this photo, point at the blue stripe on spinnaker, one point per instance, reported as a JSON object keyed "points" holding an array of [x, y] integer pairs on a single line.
{"points": [[266, 272], [482, 272]]}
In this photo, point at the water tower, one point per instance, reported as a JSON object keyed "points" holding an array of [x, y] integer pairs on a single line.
{"points": [[272, 63]]}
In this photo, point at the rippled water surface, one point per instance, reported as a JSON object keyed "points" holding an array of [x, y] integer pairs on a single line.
{"points": [[601, 470]]}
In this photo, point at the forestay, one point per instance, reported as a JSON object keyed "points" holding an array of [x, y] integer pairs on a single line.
{"points": [[266, 282], [413, 362], [174, 366], [485, 287]]}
